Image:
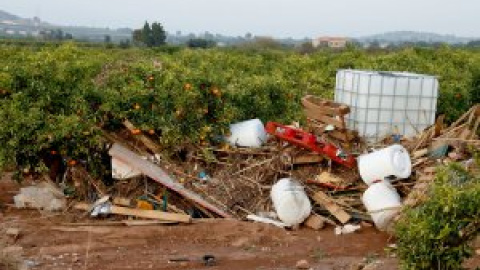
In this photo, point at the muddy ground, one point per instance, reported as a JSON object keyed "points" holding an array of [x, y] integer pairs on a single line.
{"points": [[49, 241]]}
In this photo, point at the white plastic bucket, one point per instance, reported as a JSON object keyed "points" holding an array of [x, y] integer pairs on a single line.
{"points": [[393, 160], [382, 202], [249, 133], [290, 201]]}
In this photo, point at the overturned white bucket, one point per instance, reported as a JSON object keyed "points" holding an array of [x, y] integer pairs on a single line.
{"points": [[382, 202], [393, 160], [290, 201], [249, 133]]}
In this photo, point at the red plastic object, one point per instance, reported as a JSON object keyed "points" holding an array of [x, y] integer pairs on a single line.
{"points": [[309, 141]]}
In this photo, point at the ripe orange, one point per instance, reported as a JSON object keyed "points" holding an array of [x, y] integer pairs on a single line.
{"points": [[151, 132], [136, 106], [187, 86], [216, 92], [136, 131], [72, 162]]}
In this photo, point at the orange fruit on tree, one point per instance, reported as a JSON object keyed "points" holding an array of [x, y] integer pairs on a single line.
{"points": [[136, 131], [72, 162], [136, 106], [151, 132], [187, 86], [216, 92]]}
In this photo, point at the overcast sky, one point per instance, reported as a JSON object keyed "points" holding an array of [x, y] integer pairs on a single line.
{"points": [[279, 18]]}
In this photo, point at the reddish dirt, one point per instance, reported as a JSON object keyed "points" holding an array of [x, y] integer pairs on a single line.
{"points": [[52, 244]]}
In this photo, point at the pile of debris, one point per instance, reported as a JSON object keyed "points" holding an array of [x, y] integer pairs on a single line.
{"points": [[278, 174]]}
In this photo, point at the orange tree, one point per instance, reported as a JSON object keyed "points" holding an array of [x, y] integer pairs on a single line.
{"points": [[57, 99]]}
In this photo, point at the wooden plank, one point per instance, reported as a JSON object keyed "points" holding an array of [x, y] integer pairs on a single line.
{"points": [[420, 153], [122, 201], [326, 177], [459, 120], [474, 129], [315, 222], [324, 106], [324, 119], [307, 159], [327, 202], [150, 214], [439, 125], [157, 174], [146, 222], [345, 135], [144, 139]]}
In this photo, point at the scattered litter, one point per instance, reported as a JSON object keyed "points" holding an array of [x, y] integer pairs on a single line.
{"points": [[267, 221], [120, 170], [13, 233], [315, 222], [393, 160], [290, 201], [249, 133], [382, 202], [42, 196], [302, 264], [207, 260], [346, 229]]}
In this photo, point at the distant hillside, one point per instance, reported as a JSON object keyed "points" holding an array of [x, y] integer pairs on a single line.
{"points": [[7, 16], [412, 36], [15, 26]]}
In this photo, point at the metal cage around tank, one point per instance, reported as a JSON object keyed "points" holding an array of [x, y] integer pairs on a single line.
{"points": [[385, 103]]}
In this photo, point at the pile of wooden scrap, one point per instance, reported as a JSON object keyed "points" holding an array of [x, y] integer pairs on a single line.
{"points": [[228, 182], [327, 119]]}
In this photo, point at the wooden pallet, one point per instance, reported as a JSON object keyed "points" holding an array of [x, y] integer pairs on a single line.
{"points": [[322, 113]]}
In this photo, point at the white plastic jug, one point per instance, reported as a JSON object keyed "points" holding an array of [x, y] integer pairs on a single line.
{"points": [[393, 160], [382, 202], [249, 133], [290, 201]]}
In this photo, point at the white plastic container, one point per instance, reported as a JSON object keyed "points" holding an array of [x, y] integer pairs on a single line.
{"points": [[382, 202], [249, 133], [383, 103], [290, 201], [393, 160]]}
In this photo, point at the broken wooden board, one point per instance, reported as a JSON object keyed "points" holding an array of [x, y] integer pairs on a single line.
{"points": [[150, 214], [420, 153], [122, 201], [324, 106], [329, 178], [157, 174], [345, 135], [325, 119], [300, 159], [329, 204], [315, 222]]}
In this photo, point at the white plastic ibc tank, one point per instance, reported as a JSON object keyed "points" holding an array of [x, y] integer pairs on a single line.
{"points": [[383, 103], [393, 160], [382, 202], [249, 133], [290, 201]]}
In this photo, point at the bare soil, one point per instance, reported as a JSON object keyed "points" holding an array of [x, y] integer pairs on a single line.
{"points": [[49, 241]]}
